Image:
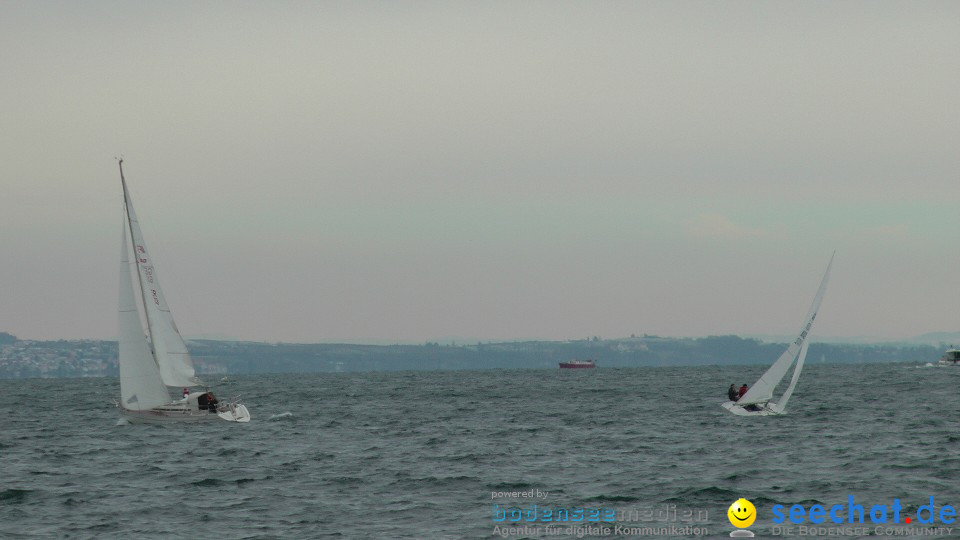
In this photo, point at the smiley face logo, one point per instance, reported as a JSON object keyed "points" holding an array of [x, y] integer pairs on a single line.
{"points": [[742, 513]]}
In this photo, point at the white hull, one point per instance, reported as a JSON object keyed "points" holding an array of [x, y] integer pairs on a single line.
{"points": [[767, 409], [950, 358], [172, 413]]}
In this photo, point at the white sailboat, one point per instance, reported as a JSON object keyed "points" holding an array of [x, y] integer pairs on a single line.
{"points": [[758, 400], [152, 362]]}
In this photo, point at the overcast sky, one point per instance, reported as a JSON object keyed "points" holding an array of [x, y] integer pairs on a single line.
{"points": [[410, 171]]}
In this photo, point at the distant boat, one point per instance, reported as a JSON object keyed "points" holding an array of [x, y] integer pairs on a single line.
{"points": [[578, 364], [151, 363], [950, 358], [757, 400]]}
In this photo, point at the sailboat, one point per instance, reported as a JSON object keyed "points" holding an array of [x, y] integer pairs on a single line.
{"points": [[758, 400], [154, 360]]}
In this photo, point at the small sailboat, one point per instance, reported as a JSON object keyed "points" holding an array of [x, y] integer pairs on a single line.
{"points": [[152, 362], [758, 400]]}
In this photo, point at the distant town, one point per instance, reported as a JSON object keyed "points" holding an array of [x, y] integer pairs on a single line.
{"points": [[98, 358]]}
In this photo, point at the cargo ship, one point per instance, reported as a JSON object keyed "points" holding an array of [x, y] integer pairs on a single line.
{"points": [[578, 364]]}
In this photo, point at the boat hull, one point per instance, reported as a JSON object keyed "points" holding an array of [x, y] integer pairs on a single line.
{"points": [[162, 415], [950, 358], [767, 409]]}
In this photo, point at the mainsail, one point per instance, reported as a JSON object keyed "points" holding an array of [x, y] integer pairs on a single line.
{"points": [[762, 390], [169, 349], [141, 386]]}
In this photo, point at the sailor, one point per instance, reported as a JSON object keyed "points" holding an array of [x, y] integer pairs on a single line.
{"points": [[186, 392], [743, 390], [732, 392], [212, 402]]}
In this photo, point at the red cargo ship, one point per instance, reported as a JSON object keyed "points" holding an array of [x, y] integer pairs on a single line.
{"points": [[578, 364]]}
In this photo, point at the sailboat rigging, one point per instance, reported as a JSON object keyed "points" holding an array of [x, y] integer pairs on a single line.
{"points": [[758, 400], [154, 360]]}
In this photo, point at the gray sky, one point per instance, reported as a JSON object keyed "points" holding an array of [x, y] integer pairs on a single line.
{"points": [[405, 171]]}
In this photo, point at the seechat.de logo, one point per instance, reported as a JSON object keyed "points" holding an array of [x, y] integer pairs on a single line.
{"points": [[856, 513]]}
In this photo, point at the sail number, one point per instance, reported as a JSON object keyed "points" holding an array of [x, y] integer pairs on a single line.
{"points": [[806, 330]]}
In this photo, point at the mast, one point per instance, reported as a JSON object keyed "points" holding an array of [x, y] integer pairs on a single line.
{"points": [[133, 243]]}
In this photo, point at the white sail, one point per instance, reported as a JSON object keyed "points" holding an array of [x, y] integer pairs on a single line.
{"points": [[782, 402], [169, 349], [762, 390], [149, 363], [141, 387]]}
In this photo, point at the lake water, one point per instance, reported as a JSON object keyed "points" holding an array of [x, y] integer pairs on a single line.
{"points": [[430, 454]]}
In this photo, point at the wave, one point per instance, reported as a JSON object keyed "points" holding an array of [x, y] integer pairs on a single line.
{"points": [[463, 458], [613, 498], [509, 486], [711, 493], [345, 480], [14, 496], [207, 482], [282, 416]]}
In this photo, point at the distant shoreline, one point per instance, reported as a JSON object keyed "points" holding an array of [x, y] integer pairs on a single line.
{"points": [[96, 358]]}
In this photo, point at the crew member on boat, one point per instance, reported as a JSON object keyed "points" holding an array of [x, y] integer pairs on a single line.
{"points": [[743, 390], [732, 392], [212, 402], [207, 402]]}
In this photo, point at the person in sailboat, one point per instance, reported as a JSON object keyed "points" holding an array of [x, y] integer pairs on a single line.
{"points": [[212, 402], [732, 392], [743, 390]]}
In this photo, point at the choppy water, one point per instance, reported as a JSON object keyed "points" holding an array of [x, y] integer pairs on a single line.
{"points": [[418, 455]]}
